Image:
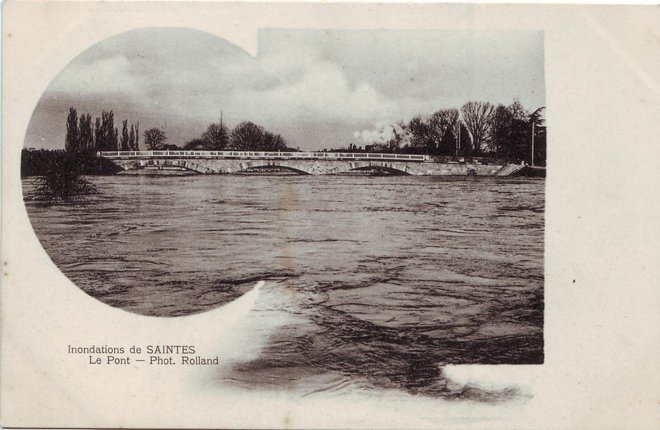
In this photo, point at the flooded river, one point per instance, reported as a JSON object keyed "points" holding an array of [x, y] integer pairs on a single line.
{"points": [[382, 279]]}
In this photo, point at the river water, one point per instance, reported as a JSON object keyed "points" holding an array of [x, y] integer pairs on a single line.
{"points": [[382, 279]]}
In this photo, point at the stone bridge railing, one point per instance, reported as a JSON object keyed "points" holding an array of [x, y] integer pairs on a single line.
{"points": [[312, 163], [264, 155]]}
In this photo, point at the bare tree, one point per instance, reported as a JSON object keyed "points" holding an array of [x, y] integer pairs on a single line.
{"points": [[476, 116], [518, 111], [247, 136], [441, 123], [501, 122], [400, 137], [422, 138], [437, 127], [154, 138], [216, 137]]}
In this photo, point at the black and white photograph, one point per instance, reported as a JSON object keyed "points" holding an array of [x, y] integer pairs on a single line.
{"points": [[324, 216], [386, 188]]}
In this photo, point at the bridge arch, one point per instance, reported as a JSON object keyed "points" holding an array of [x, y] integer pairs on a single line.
{"points": [[389, 170], [189, 165], [273, 167], [209, 164], [299, 168]]}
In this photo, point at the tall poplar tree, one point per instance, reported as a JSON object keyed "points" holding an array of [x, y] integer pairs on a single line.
{"points": [[72, 139], [86, 133]]}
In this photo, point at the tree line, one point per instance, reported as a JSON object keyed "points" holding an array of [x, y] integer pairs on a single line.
{"points": [[83, 136], [246, 136], [476, 129]]}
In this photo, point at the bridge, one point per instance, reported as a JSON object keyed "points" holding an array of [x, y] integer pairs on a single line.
{"points": [[310, 163]]}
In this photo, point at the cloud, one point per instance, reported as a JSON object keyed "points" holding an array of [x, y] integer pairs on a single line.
{"points": [[103, 76], [320, 92], [317, 88]]}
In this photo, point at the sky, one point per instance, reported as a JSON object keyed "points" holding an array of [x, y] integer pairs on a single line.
{"points": [[317, 88]]}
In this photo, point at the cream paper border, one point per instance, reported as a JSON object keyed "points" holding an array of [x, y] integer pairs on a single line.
{"points": [[601, 254]]}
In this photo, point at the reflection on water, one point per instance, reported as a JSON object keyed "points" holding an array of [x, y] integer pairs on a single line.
{"points": [[385, 278]]}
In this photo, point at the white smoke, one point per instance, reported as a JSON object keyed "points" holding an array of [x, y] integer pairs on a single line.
{"points": [[381, 133]]}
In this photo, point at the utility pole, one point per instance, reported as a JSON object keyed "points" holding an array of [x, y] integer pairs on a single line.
{"points": [[533, 117], [532, 143], [221, 133], [458, 135]]}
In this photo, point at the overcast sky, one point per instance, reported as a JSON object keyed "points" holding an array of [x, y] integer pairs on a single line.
{"points": [[318, 88]]}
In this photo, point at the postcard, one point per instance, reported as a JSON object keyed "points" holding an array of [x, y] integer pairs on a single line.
{"points": [[318, 215]]}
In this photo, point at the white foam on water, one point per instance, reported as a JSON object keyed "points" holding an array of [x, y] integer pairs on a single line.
{"points": [[240, 329], [244, 327], [495, 377], [269, 312], [201, 397]]}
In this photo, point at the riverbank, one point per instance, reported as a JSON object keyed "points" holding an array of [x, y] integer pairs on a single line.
{"points": [[41, 162]]}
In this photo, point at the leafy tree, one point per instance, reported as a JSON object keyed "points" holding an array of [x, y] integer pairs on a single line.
{"points": [[536, 117], [62, 180], [448, 142], [477, 120], [247, 136], [72, 139], [464, 147], [519, 141], [154, 138], [539, 132], [540, 136]]}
